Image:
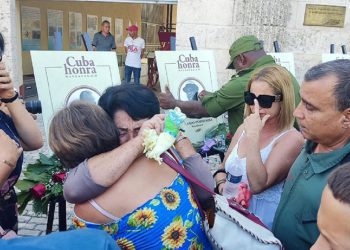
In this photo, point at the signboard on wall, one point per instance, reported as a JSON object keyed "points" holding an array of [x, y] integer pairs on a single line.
{"points": [[64, 76], [31, 29], [75, 30], [55, 26], [119, 31], [286, 60], [332, 57], [324, 15], [91, 25], [187, 73]]}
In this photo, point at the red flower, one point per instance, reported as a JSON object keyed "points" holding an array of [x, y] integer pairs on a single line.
{"points": [[38, 191], [229, 136], [59, 177]]}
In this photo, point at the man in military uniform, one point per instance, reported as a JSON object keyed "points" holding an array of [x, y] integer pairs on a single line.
{"points": [[247, 54]]}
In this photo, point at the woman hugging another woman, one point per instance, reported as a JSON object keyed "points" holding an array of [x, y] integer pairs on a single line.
{"points": [[149, 207]]}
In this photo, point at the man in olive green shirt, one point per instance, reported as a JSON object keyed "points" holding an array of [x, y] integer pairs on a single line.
{"points": [[247, 54], [324, 120]]}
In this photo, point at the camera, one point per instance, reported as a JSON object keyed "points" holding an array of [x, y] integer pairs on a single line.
{"points": [[33, 107]]}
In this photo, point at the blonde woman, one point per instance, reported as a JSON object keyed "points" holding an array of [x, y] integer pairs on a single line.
{"points": [[266, 144]]}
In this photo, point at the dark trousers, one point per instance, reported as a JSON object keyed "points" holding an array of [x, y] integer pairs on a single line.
{"points": [[137, 74]]}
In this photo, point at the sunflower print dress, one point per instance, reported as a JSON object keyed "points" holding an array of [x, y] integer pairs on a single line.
{"points": [[171, 220]]}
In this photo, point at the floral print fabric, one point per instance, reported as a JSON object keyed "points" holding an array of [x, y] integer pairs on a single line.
{"points": [[171, 220]]}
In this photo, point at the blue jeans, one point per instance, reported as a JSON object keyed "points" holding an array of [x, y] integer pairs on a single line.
{"points": [[137, 74]]}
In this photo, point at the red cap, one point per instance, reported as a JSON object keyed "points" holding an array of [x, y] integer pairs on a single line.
{"points": [[132, 28]]}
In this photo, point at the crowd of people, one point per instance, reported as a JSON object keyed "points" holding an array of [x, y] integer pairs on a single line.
{"points": [[291, 142]]}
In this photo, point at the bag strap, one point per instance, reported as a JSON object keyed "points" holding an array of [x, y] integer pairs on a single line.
{"points": [[185, 173]]}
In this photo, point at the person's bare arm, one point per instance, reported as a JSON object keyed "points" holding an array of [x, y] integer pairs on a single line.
{"points": [[9, 154], [193, 162], [198, 168], [193, 109], [105, 169], [27, 128], [222, 176], [264, 175]]}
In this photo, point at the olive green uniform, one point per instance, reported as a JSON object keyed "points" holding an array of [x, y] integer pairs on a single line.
{"points": [[295, 222], [230, 97]]}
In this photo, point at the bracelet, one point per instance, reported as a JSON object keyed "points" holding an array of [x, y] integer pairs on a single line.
{"points": [[10, 100], [221, 170], [9, 164], [180, 138], [219, 183]]}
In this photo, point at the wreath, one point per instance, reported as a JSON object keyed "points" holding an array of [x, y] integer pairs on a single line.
{"points": [[42, 183]]}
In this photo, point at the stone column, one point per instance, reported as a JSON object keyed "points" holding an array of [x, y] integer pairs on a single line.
{"points": [[8, 28]]}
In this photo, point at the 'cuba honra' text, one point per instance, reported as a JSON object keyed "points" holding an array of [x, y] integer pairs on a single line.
{"points": [[79, 66], [187, 62]]}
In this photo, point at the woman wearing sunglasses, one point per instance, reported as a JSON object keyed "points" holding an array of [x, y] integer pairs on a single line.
{"points": [[265, 146]]}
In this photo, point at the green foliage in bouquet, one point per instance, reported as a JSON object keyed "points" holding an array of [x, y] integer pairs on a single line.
{"points": [[42, 183]]}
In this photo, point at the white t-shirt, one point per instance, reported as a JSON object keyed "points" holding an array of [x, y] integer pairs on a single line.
{"points": [[134, 46]]}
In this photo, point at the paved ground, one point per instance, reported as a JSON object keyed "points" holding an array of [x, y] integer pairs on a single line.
{"points": [[31, 224]]}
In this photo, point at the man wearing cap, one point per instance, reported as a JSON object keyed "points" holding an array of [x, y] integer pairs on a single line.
{"points": [[104, 40], [134, 47], [247, 54]]}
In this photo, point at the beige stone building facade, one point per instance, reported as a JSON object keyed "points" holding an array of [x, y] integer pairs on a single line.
{"points": [[217, 23]]}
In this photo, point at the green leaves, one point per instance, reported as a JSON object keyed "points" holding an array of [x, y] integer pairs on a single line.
{"points": [[40, 172], [25, 185], [181, 181], [155, 202], [178, 218], [188, 224], [23, 199], [41, 206], [198, 218]]}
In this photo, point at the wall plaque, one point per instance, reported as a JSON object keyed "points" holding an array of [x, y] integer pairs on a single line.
{"points": [[324, 15]]}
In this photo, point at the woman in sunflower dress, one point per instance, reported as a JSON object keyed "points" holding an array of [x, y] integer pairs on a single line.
{"points": [[149, 207]]}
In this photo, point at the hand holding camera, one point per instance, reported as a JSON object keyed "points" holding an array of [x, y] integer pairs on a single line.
{"points": [[6, 86]]}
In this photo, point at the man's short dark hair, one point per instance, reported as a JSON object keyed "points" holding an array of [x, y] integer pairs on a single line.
{"points": [[339, 183], [138, 101], [105, 22], [340, 69]]}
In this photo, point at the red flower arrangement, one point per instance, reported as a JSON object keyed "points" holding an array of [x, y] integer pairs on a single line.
{"points": [[38, 191], [59, 177], [43, 182]]}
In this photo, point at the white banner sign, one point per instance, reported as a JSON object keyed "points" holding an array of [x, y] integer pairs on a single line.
{"points": [[65, 76], [332, 57], [286, 60], [187, 73]]}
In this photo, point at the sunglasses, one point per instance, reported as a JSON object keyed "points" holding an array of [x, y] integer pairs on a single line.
{"points": [[265, 101]]}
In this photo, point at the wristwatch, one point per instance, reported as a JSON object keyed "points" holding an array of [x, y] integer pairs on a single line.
{"points": [[10, 100]]}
